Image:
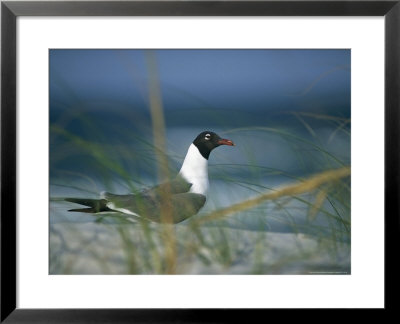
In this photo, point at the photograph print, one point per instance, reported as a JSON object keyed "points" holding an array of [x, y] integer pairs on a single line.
{"points": [[200, 161]]}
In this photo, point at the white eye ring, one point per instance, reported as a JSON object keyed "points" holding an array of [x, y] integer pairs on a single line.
{"points": [[208, 136]]}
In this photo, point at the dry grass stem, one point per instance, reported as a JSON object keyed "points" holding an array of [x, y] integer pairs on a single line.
{"points": [[307, 185], [158, 127]]}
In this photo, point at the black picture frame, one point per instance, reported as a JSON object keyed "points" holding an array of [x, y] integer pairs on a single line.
{"points": [[10, 10]]}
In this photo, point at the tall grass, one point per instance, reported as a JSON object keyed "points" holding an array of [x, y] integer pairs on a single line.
{"points": [[159, 135]]}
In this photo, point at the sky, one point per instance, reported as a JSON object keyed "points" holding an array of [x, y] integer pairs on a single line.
{"points": [[191, 79]]}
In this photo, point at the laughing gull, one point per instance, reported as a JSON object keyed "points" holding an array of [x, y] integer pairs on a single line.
{"points": [[185, 195]]}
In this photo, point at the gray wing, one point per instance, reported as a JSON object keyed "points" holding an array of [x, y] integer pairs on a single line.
{"points": [[150, 203], [185, 205], [175, 186]]}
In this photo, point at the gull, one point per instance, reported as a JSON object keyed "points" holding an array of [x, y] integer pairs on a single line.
{"points": [[184, 196]]}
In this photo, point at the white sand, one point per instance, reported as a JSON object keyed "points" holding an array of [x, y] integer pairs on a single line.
{"points": [[93, 248]]}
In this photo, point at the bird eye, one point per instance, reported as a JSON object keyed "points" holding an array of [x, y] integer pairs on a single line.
{"points": [[208, 136]]}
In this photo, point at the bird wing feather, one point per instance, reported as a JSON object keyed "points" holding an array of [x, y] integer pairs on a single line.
{"points": [[183, 205], [175, 186], [151, 202]]}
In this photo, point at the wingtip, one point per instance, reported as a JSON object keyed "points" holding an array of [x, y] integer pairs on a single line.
{"points": [[82, 210]]}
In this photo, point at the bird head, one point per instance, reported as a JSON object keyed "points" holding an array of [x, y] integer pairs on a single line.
{"points": [[207, 141]]}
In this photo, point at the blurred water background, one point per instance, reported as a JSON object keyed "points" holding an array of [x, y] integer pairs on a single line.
{"points": [[288, 112]]}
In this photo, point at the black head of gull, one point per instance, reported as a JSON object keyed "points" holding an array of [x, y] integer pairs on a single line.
{"points": [[187, 192], [207, 141]]}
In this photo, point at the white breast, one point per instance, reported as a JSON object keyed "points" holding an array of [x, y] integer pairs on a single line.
{"points": [[195, 170]]}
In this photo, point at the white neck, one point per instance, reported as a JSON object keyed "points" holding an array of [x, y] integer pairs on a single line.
{"points": [[195, 170]]}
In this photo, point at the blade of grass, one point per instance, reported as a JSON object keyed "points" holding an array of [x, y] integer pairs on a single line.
{"points": [[308, 185]]}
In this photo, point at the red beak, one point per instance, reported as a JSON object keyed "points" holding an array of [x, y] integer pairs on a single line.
{"points": [[224, 141]]}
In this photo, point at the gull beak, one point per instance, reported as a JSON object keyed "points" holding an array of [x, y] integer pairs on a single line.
{"points": [[224, 141]]}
